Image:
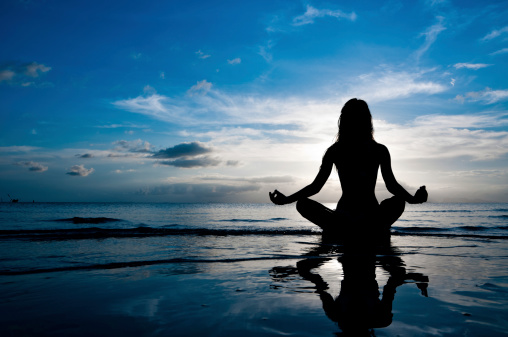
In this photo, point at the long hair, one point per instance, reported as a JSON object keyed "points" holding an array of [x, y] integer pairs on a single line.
{"points": [[355, 122]]}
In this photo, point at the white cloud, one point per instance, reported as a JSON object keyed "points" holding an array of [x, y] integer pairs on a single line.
{"points": [[17, 149], [388, 85], [157, 106], [235, 61], [495, 33], [80, 170], [201, 87], [430, 36], [500, 51], [474, 66], [438, 136], [162, 75], [487, 96], [264, 51], [312, 13], [202, 55]]}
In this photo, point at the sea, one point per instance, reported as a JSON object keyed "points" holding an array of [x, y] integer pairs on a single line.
{"points": [[175, 269], [45, 237]]}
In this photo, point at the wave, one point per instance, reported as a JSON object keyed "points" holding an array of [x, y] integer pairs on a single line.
{"points": [[130, 264], [145, 231], [254, 220], [99, 233], [80, 220], [504, 216], [448, 211]]}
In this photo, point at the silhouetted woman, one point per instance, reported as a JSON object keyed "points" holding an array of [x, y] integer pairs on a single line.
{"points": [[357, 157]]}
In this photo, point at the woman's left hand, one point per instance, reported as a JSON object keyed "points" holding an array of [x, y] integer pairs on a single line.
{"points": [[278, 198]]}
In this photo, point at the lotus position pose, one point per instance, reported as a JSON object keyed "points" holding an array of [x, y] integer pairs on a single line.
{"points": [[357, 157]]}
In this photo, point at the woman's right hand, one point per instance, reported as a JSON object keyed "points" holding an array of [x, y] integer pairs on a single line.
{"points": [[420, 196], [278, 198]]}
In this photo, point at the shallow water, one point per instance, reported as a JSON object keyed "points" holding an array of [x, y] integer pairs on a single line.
{"points": [[220, 270]]}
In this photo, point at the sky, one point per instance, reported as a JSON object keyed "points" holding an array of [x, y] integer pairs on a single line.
{"points": [[223, 101]]}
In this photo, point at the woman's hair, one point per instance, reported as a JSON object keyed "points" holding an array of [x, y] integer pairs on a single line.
{"points": [[355, 122]]}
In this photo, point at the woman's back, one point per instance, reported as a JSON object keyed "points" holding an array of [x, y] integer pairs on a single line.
{"points": [[357, 164]]}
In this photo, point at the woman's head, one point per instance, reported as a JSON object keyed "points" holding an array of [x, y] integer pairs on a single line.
{"points": [[355, 121]]}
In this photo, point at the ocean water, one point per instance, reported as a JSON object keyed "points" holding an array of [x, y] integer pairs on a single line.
{"points": [[37, 237], [130, 269]]}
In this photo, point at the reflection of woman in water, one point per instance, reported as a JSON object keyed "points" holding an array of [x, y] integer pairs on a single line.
{"points": [[357, 157]]}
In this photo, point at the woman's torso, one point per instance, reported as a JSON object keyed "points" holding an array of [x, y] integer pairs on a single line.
{"points": [[357, 165]]}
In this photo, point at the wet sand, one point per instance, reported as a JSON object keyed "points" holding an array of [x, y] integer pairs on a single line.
{"points": [[433, 286]]}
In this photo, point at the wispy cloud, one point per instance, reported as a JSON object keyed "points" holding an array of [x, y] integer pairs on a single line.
{"points": [[312, 13], [500, 51], [157, 106], [388, 85], [487, 96], [235, 61], [211, 191], [80, 171], [136, 146], [33, 166], [201, 87], [203, 161], [495, 33], [474, 66], [22, 74], [18, 149], [430, 37], [202, 55], [438, 136]]}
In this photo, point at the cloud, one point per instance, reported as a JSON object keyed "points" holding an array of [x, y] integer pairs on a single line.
{"points": [[312, 13], [86, 155], [430, 36], [388, 85], [202, 55], [162, 75], [252, 180], [33, 166], [183, 150], [136, 146], [500, 51], [474, 66], [264, 51], [201, 87], [115, 126], [22, 74], [434, 137], [18, 149], [235, 61], [214, 191], [204, 161], [124, 171], [487, 96], [495, 33], [80, 170], [155, 105]]}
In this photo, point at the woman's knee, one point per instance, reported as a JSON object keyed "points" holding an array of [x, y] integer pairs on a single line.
{"points": [[302, 205], [395, 203]]}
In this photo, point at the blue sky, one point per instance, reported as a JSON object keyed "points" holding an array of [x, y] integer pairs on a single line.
{"points": [[223, 101]]}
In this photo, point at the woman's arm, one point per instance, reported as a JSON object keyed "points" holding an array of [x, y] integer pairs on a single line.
{"points": [[393, 186], [324, 172]]}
